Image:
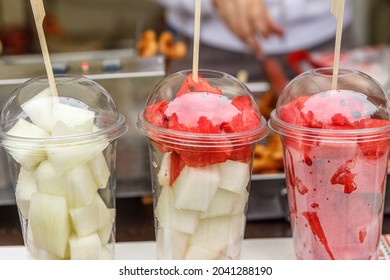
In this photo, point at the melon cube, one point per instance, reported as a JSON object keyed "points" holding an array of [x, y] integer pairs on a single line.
{"points": [[27, 156], [25, 187], [170, 217], [199, 253], [239, 206], [107, 232], [163, 175], [235, 175], [68, 155], [195, 187], [100, 170], [217, 233], [70, 120], [171, 244], [233, 250], [106, 253], [50, 223], [49, 181], [40, 254], [39, 109], [221, 205], [91, 218], [85, 248], [82, 188]]}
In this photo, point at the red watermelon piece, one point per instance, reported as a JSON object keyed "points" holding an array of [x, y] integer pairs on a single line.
{"points": [[373, 149], [155, 114], [198, 157], [176, 165], [190, 85]]}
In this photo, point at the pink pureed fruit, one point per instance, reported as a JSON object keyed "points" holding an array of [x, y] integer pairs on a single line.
{"points": [[336, 145]]}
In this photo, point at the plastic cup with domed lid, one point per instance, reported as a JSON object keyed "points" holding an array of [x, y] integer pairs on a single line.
{"points": [[201, 140], [336, 144], [61, 154]]}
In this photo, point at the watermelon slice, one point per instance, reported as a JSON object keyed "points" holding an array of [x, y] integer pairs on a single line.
{"points": [[155, 114], [176, 165], [190, 85], [373, 149], [202, 109]]}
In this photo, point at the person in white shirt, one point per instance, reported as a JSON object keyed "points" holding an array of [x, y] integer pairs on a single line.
{"points": [[235, 33]]}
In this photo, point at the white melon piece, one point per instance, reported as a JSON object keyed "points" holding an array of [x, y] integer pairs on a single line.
{"points": [[222, 204], [199, 253], [70, 120], [106, 254], [50, 223], [163, 175], [90, 218], [234, 175], [68, 155], [170, 217], [25, 187], [239, 206], [171, 244], [233, 250], [27, 156], [85, 248], [100, 170], [106, 232], [82, 187], [40, 254], [195, 188], [217, 233], [39, 109], [49, 181]]}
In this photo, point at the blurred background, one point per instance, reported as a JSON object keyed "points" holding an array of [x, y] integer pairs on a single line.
{"points": [[76, 25]]}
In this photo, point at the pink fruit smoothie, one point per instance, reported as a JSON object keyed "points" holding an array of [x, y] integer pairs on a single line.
{"points": [[335, 189]]}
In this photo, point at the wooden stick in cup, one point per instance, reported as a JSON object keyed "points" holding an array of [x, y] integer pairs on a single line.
{"points": [[337, 10], [39, 15], [195, 57]]}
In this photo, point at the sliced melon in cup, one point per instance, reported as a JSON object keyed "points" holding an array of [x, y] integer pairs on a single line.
{"points": [[50, 223]]}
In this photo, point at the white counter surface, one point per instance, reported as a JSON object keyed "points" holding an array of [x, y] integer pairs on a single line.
{"points": [[264, 248], [252, 249]]}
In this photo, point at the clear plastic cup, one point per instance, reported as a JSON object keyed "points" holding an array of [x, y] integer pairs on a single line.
{"points": [[61, 155], [201, 139], [336, 145]]}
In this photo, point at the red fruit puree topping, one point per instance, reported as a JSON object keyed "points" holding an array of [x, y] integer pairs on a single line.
{"points": [[200, 108]]}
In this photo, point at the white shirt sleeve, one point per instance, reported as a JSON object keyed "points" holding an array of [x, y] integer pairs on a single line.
{"points": [[188, 6]]}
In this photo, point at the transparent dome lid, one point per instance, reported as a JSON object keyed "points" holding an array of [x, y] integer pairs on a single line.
{"points": [[82, 111], [216, 110], [309, 106]]}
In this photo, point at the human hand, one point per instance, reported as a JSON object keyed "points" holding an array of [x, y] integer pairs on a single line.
{"points": [[247, 19]]}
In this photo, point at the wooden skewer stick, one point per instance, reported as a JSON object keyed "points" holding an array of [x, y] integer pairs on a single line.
{"points": [[39, 15], [337, 10], [195, 58]]}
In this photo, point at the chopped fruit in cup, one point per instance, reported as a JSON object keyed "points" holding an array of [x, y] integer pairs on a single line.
{"points": [[59, 156], [201, 141]]}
